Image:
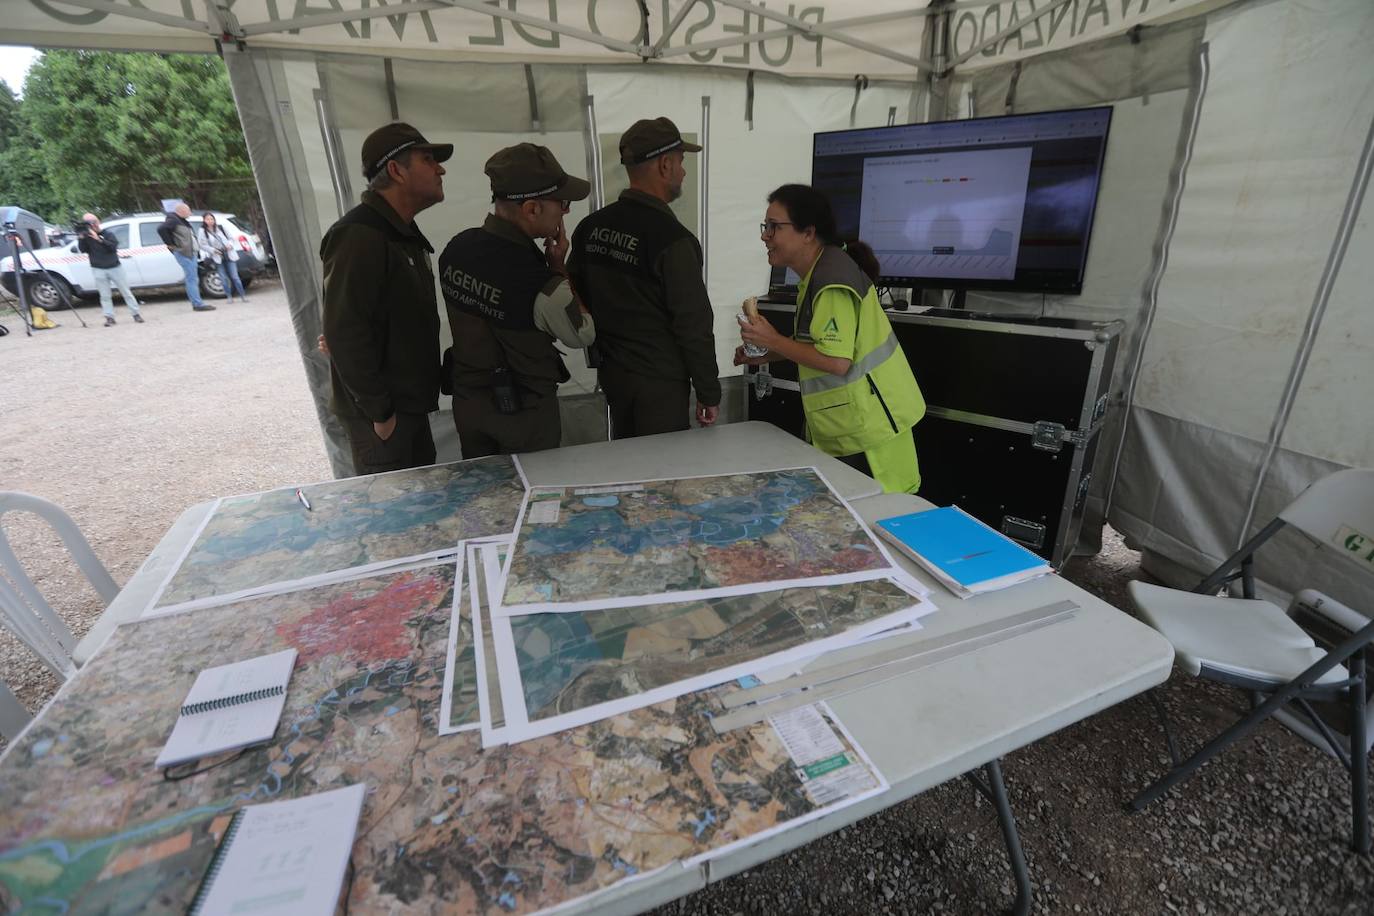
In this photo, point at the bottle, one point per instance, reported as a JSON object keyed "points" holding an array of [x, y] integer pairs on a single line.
{"points": [[750, 309]]}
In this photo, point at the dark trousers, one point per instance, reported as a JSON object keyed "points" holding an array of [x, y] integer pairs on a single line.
{"points": [[644, 406], [411, 444], [484, 430]]}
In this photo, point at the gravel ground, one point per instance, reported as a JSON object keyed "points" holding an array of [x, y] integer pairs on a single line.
{"points": [[126, 426]]}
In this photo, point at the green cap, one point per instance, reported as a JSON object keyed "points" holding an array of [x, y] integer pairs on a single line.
{"points": [[527, 171], [390, 140], [650, 138]]}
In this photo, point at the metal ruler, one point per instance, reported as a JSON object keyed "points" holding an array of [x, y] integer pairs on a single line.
{"points": [[754, 704]]}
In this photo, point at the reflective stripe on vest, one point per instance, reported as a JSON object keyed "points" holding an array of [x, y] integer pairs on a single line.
{"points": [[857, 370]]}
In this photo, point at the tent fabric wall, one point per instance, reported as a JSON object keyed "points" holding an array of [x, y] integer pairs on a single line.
{"points": [[283, 177], [1282, 131]]}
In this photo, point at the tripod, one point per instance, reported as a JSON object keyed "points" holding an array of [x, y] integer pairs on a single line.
{"points": [[17, 246], [9, 301]]}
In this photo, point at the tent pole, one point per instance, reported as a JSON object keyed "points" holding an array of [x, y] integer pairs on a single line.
{"points": [[828, 31], [1334, 259], [221, 19], [314, 20], [937, 29], [1007, 32], [497, 12], [594, 164], [704, 182], [423, 6], [389, 74], [660, 50], [1145, 318], [672, 28], [135, 12], [333, 157], [536, 124]]}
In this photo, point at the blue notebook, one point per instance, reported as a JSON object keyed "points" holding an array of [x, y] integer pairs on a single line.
{"points": [[966, 555]]}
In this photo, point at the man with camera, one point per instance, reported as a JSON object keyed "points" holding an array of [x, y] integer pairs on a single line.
{"points": [[509, 304], [102, 249]]}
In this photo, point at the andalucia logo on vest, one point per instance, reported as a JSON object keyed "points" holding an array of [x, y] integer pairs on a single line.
{"points": [[831, 327]]}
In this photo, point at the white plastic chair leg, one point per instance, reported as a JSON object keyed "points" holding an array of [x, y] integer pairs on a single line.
{"points": [[13, 715]]}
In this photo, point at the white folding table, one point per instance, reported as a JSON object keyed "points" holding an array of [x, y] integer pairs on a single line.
{"points": [[921, 728]]}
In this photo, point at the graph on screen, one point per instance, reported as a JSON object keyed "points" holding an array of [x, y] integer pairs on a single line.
{"points": [[946, 214]]}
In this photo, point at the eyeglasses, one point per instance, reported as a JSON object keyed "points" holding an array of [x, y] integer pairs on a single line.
{"points": [[564, 205], [768, 227]]}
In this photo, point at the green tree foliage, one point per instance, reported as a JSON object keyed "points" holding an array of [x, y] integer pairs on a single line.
{"points": [[120, 131], [9, 115], [23, 178]]}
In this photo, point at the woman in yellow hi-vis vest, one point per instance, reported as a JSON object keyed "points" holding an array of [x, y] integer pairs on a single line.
{"points": [[859, 396]]}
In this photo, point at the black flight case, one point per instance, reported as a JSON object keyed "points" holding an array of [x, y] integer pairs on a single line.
{"points": [[1014, 406]]}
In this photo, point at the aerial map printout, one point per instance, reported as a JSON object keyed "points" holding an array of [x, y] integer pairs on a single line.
{"points": [[460, 708], [270, 541], [493, 714], [90, 825], [558, 671], [586, 548]]}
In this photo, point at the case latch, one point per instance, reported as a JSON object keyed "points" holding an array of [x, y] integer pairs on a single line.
{"points": [[1047, 435], [1027, 532], [1083, 487]]}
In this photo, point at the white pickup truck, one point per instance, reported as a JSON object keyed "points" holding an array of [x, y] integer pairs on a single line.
{"points": [[147, 262]]}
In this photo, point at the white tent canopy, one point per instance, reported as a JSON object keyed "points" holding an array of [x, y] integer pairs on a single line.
{"points": [[1232, 233], [879, 38]]}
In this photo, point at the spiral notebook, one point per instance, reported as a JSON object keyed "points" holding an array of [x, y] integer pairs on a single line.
{"points": [[965, 555], [229, 707], [284, 857]]}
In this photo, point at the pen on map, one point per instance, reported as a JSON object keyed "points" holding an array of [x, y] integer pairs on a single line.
{"points": [[973, 556], [301, 496]]}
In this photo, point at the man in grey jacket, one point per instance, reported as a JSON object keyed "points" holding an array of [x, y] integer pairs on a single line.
{"points": [[176, 233]]}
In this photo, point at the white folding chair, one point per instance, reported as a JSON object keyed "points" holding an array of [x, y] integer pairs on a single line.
{"points": [[1255, 646], [23, 610]]}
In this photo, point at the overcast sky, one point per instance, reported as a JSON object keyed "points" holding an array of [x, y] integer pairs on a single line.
{"points": [[14, 63]]}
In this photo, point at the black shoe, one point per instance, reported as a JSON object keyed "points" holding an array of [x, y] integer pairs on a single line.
{"points": [[203, 308], [109, 321], [138, 319]]}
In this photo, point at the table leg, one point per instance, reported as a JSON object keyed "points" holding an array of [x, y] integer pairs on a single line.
{"points": [[996, 792]]}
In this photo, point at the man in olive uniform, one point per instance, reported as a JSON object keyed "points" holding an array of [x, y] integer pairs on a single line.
{"points": [[639, 271], [509, 304], [381, 317]]}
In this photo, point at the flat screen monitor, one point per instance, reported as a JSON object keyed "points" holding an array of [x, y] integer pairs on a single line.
{"points": [[986, 203]]}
